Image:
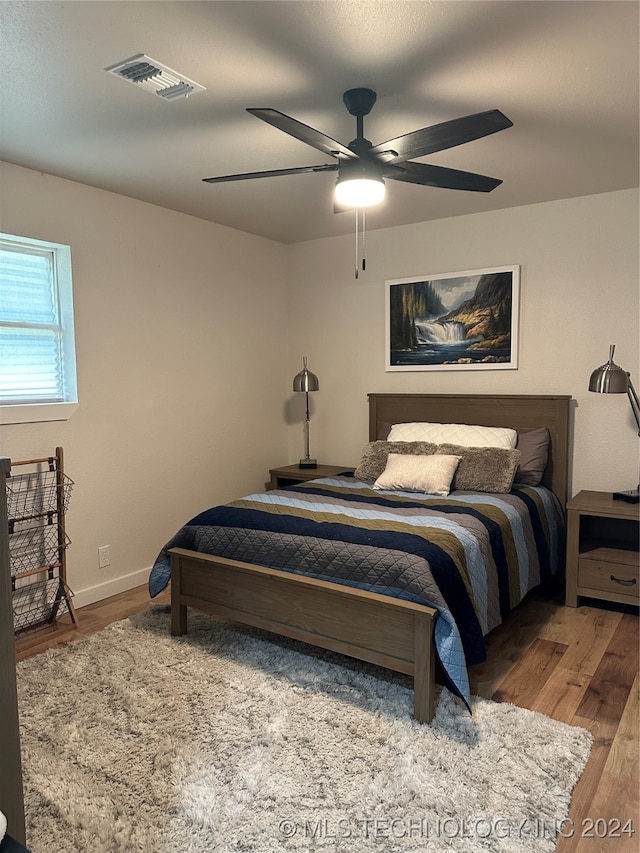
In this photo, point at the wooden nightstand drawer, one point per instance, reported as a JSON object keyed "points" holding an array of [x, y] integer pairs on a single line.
{"points": [[610, 570], [602, 549]]}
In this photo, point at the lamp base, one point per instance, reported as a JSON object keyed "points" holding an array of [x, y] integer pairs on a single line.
{"points": [[631, 496], [308, 463]]}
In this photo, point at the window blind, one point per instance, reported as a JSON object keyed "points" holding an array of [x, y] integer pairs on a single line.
{"points": [[31, 333]]}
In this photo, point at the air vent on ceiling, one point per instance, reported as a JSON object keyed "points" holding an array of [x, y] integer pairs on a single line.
{"points": [[154, 77]]}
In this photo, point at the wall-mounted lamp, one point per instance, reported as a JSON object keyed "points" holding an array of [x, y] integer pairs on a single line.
{"points": [[609, 378], [306, 381]]}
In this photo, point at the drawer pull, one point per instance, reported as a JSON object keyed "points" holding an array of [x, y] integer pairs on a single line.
{"points": [[624, 581]]}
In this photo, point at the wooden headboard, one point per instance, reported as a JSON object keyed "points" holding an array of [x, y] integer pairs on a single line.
{"points": [[522, 412]]}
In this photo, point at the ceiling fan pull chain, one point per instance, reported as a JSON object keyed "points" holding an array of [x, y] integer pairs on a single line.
{"points": [[364, 237], [357, 253]]}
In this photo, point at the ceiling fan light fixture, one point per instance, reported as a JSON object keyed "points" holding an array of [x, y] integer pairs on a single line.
{"points": [[360, 192], [360, 185]]}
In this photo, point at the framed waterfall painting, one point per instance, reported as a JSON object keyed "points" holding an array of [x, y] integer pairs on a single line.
{"points": [[453, 321]]}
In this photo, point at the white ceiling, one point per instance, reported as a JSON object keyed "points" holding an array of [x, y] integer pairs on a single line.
{"points": [[566, 74]]}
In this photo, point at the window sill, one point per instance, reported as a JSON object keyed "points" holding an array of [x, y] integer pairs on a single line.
{"points": [[36, 413]]}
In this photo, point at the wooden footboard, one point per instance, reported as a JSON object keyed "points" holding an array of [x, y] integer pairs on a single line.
{"points": [[384, 631]]}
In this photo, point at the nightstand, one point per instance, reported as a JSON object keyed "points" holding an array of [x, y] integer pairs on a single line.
{"points": [[289, 475], [602, 549]]}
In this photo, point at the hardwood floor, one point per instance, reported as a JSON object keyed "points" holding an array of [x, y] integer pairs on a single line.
{"points": [[578, 665]]}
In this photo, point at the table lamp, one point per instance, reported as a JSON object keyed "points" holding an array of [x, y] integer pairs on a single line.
{"points": [[306, 381], [612, 379]]}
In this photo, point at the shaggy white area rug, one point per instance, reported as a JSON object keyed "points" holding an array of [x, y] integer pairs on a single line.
{"points": [[223, 740]]}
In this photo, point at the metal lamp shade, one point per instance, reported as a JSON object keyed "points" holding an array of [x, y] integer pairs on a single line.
{"points": [[305, 380], [609, 378]]}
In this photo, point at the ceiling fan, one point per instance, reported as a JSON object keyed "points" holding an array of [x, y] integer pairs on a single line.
{"points": [[364, 166]]}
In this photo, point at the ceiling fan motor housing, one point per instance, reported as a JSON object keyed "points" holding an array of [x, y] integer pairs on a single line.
{"points": [[360, 169]]}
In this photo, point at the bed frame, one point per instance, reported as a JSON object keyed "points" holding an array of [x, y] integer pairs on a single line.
{"points": [[384, 631]]}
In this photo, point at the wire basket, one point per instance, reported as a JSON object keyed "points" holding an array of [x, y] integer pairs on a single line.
{"points": [[38, 603], [38, 493], [36, 547]]}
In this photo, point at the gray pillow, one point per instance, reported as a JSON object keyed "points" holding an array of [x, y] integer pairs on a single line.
{"points": [[374, 456], [534, 452], [483, 469]]}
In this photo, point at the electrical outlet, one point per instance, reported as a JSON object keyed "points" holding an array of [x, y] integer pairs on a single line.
{"points": [[104, 556]]}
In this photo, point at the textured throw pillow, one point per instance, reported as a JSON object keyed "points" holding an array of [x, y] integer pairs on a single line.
{"points": [[374, 456], [410, 473], [464, 435], [534, 452], [483, 469]]}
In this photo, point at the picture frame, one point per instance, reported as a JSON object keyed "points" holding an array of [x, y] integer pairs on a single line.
{"points": [[464, 320]]}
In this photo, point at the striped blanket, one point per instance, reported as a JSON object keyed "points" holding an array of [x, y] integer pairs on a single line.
{"points": [[473, 556]]}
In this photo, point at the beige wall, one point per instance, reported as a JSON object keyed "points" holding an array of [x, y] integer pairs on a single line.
{"points": [[579, 293], [182, 371]]}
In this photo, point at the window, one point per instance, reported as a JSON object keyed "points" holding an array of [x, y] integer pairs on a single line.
{"points": [[37, 345]]}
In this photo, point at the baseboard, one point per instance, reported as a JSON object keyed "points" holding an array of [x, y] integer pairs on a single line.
{"points": [[108, 588]]}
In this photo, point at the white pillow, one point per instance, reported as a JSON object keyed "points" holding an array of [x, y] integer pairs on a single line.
{"points": [[410, 473], [464, 435]]}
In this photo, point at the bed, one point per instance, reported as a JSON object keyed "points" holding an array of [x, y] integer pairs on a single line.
{"points": [[324, 604]]}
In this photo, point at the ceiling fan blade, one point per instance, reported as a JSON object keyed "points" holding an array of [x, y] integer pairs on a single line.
{"points": [[439, 176], [298, 170], [304, 133], [448, 134]]}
